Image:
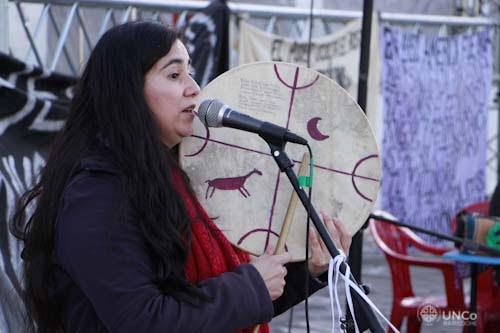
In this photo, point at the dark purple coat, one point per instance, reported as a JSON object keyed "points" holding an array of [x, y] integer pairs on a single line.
{"points": [[104, 277]]}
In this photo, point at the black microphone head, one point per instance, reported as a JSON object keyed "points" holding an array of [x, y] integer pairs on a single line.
{"points": [[209, 111]]}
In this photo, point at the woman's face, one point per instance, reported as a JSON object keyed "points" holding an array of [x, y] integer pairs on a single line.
{"points": [[171, 93]]}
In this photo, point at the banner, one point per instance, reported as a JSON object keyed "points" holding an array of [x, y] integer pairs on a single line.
{"points": [[33, 107], [206, 37], [436, 94], [335, 55]]}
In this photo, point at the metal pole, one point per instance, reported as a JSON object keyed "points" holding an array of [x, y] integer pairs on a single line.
{"points": [[355, 252], [256, 10], [496, 79], [62, 38]]}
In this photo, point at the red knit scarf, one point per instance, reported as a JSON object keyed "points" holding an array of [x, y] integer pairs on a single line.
{"points": [[211, 253]]}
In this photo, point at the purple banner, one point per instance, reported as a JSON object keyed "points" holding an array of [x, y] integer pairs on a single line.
{"points": [[436, 95]]}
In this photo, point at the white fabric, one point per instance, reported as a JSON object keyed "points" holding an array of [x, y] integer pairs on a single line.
{"points": [[335, 55], [436, 95]]}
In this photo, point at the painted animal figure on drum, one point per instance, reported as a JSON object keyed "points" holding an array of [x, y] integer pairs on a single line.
{"points": [[231, 183]]}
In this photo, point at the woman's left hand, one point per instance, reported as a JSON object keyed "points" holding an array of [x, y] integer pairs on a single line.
{"points": [[320, 257]]}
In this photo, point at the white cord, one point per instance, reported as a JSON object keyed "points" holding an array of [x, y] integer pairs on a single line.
{"points": [[331, 290], [335, 266]]}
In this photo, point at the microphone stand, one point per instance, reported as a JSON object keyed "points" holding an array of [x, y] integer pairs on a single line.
{"points": [[285, 165], [467, 244]]}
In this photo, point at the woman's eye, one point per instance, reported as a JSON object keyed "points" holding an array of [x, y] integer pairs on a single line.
{"points": [[174, 75]]}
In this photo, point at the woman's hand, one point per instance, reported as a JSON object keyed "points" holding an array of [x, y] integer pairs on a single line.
{"points": [[271, 268], [320, 257]]}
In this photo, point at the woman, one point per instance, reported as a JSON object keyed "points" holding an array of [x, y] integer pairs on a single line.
{"points": [[117, 241]]}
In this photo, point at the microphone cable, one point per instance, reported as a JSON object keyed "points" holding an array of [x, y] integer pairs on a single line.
{"points": [[306, 287], [311, 164]]}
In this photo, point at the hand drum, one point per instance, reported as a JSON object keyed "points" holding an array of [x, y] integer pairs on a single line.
{"points": [[237, 180]]}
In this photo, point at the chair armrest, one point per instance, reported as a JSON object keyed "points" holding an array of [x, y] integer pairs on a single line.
{"points": [[420, 244], [424, 262]]}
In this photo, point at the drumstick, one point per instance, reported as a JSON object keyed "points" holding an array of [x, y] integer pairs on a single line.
{"points": [[290, 212]]}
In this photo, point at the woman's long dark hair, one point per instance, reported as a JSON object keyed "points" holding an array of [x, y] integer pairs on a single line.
{"points": [[109, 105]]}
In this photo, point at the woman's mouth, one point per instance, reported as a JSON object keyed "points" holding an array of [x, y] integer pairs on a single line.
{"points": [[189, 109]]}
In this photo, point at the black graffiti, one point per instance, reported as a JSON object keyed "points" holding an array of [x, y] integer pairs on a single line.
{"points": [[339, 75], [410, 47], [339, 47], [34, 107], [390, 43], [276, 45], [322, 52], [298, 53], [442, 51]]}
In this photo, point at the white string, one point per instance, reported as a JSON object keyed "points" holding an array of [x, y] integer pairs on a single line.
{"points": [[330, 289], [339, 308], [336, 262], [348, 292]]}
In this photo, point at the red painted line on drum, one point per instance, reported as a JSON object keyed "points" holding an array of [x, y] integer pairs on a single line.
{"points": [[295, 161], [354, 172]]}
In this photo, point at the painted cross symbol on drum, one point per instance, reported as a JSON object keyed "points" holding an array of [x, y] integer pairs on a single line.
{"points": [[346, 158]]}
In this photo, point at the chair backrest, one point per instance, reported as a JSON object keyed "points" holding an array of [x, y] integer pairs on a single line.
{"points": [[481, 207], [394, 241], [390, 240], [487, 288]]}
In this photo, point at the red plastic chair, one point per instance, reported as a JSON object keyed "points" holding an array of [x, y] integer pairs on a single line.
{"points": [[488, 291], [394, 241], [481, 208]]}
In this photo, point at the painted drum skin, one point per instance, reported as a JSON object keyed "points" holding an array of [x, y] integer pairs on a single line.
{"points": [[236, 178]]}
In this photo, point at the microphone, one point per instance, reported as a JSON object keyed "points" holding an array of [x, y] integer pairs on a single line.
{"points": [[214, 113]]}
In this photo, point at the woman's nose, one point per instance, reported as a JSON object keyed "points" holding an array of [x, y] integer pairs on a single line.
{"points": [[193, 88]]}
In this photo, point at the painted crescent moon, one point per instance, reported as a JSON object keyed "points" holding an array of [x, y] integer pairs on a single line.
{"points": [[312, 129]]}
